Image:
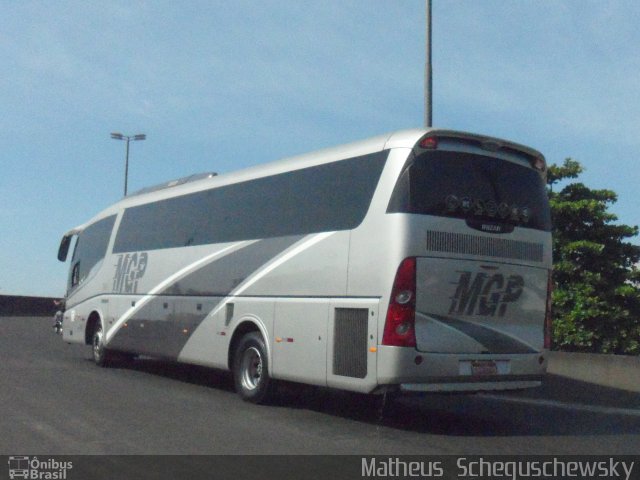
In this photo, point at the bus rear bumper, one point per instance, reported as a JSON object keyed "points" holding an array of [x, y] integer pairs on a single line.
{"points": [[470, 386], [414, 371]]}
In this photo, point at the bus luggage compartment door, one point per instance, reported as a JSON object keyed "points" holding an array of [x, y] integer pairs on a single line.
{"points": [[479, 307]]}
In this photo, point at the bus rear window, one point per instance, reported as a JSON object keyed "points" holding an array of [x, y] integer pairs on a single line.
{"points": [[472, 187]]}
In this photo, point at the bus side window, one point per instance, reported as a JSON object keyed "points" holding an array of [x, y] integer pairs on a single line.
{"points": [[75, 275], [90, 249]]}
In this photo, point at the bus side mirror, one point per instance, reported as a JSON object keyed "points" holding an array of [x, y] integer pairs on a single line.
{"points": [[64, 248]]}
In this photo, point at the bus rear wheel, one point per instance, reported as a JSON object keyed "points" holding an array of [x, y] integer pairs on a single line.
{"points": [[251, 369]]}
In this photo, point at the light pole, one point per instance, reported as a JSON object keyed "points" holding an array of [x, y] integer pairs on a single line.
{"points": [[127, 138], [428, 82]]}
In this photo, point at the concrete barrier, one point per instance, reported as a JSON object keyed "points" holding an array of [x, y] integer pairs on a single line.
{"points": [[21, 306], [616, 371]]}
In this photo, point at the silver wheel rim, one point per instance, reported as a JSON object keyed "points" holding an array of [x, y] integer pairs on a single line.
{"points": [[251, 368], [97, 345]]}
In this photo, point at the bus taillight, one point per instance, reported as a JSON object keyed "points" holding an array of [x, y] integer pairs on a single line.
{"points": [[548, 319], [430, 143], [399, 329]]}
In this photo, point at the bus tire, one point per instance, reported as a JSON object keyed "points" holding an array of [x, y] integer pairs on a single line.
{"points": [[101, 355], [251, 369]]}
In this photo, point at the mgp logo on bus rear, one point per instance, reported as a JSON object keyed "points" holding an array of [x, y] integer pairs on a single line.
{"points": [[483, 294]]}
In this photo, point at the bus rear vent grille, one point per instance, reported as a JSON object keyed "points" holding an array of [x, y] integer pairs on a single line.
{"points": [[484, 246], [350, 342]]}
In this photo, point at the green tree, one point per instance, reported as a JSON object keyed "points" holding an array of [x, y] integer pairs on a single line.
{"points": [[596, 298]]}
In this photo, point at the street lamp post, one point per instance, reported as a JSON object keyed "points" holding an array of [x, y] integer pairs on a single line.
{"points": [[428, 76], [127, 138]]}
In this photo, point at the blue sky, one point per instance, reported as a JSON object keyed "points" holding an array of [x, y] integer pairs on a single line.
{"points": [[219, 85]]}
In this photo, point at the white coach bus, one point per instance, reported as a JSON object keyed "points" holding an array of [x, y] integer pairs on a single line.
{"points": [[415, 261]]}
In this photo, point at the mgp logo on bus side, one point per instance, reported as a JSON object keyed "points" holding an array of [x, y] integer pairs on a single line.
{"points": [[130, 268]]}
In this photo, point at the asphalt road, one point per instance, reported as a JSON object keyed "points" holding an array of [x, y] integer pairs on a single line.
{"points": [[55, 401]]}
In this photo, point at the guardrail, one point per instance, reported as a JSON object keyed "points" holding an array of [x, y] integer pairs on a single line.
{"points": [[616, 371]]}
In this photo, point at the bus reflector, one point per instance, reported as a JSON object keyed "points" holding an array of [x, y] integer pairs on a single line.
{"points": [[399, 328]]}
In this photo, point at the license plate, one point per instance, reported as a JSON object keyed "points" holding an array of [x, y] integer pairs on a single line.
{"points": [[484, 367]]}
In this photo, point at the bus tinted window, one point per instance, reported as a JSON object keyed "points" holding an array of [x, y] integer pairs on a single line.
{"points": [[328, 197], [470, 186], [91, 247]]}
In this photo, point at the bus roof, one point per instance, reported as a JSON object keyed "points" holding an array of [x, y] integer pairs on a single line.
{"points": [[399, 139]]}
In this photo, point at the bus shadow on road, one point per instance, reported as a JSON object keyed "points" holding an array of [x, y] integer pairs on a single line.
{"points": [[514, 414], [182, 372], [604, 411]]}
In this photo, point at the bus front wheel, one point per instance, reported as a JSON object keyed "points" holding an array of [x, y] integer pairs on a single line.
{"points": [[251, 369], [101, 356]]}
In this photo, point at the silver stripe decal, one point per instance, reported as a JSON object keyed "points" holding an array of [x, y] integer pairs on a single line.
{"points": [[493, 340], [158, 331], [268, 268], [168, 281], [258, 275]]}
